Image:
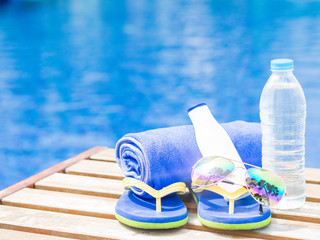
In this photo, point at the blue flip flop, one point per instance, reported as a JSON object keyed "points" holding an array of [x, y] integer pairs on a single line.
{"points": [[164, 211], [236, 214]]}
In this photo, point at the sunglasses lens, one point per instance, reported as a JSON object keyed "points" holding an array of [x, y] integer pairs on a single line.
{"points": [[266, 187], [210, 170]]}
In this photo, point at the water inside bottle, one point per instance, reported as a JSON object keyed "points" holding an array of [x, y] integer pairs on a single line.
{"points": [[283, 125]]}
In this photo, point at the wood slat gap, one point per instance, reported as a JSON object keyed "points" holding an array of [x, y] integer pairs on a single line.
{"points": [[101, 160], [93, 168], [62, 210], [85, 185], [312, 175], [63, 202], [296, 218], [312, 182], [311, 199], [95, 175], [77, 192], [105, 154], [53, 233], [81, 192], [313, 192]]}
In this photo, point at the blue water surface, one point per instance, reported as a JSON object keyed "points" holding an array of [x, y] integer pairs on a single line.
{"points": [[76, 74]]}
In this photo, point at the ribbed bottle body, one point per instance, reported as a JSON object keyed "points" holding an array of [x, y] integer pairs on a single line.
{"points": [[283, 115]]}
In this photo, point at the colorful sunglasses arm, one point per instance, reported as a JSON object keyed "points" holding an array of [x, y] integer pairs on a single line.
{"points": [[231, 196], [178, 187]]}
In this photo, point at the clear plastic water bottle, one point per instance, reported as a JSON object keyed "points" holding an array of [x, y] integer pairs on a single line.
{"points": [[283, 116]]}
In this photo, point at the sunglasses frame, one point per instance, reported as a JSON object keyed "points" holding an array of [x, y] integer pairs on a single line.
{"points": [[196, 186]]}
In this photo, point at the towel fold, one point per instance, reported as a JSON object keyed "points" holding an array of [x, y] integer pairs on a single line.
{"points": [[164, 156]]}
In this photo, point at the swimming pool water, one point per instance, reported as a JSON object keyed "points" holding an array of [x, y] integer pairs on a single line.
{"points": [[76, 74]]}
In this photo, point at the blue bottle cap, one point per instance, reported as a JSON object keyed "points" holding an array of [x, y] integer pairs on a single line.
{"points": [[282, 64], [198, 105]]}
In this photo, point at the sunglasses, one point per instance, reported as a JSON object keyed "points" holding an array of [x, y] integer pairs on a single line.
{"points": [[266, 187]]}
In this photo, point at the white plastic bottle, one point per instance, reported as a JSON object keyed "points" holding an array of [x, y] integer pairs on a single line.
{"points": [[283, 116], [213, 140]]}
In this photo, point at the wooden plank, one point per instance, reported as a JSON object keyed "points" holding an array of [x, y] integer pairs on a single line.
{"points": [[68, 225], [96, 169], [6, 234], [113, 188], [57, 168], [83, 227], [62, 202], [104, 207], [309, 212], [105, 154], [89, 185], [81, 184], [312, 175], [111, 170], [313, 192], [277, 229]]}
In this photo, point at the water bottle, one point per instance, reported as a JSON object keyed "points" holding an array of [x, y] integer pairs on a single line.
{"points": [[283, 116]]}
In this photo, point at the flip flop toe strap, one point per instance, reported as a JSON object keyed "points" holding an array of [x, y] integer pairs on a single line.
{"points": [[178, 187], [231, 196]]}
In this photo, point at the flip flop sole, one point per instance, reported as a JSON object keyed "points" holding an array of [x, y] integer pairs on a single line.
{"points": [[141, 213], [146, 225], [213, 212]]}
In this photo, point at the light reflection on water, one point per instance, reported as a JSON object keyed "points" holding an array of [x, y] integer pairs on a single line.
{"points": [[76, 74]]}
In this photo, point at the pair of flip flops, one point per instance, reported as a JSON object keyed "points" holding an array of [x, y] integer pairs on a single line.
{"points": [[166, 210]]}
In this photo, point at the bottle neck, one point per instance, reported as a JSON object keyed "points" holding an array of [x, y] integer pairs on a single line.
{"points": [[282, 76], [282, 72]]}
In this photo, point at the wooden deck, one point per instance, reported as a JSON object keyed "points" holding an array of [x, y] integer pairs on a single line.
{"points": [[76, 198]]}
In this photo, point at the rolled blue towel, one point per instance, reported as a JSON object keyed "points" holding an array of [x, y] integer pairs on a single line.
{"points": [[164, 156]]}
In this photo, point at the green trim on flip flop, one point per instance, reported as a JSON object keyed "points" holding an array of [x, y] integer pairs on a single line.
{"points": [[146, 225], [241, 226]]}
